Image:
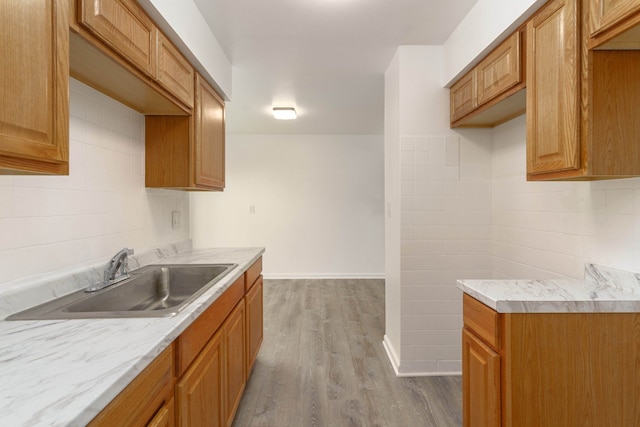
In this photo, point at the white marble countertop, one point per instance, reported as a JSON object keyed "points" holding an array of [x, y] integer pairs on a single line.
{"points": [[603, 290], [64, 372]]}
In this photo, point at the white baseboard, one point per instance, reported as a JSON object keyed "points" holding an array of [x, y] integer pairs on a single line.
{"points": [[429, 374], [395, 363], [285, 276], [391, 354]]}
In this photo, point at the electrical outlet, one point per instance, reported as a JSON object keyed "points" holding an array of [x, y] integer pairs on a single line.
{"points": [[176, 219], [252, 209]]}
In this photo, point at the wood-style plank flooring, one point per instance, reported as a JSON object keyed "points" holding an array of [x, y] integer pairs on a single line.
{"points": [[322, 363]]}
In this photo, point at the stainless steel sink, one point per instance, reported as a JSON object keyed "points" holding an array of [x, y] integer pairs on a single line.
{"points": [[152, 291]]}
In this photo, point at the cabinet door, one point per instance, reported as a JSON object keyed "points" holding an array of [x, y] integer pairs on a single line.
{"points": [[34, 86], [209, 136], [200, 393], [254, 322], [480, 383], [500, 70], [123, 26], [235, 359], [174, 72], [604, 14], [553, 89], [463, 97]]}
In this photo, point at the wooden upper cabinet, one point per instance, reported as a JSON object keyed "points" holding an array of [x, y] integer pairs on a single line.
{"points": [[209, 137], [34, 87], [553, 89], [500, 70], [464, 97], [175, 73], [581, 103], [491, 93], [125, 28], [604, 14], [188, 152], [614, 24]]}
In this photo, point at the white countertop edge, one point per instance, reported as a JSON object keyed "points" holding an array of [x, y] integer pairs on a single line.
{"points": [[551, 296]]}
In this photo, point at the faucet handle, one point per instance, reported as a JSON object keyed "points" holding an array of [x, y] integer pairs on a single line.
{"points": [[128, 251]]}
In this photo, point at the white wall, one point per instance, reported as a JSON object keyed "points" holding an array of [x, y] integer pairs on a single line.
{"points": [[318, 204], [58, 223], [392, 306], [551, 229], [485, 26], [444, 179]]}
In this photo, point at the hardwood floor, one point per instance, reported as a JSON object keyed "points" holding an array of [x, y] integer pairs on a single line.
{"points": [[322, 363]]}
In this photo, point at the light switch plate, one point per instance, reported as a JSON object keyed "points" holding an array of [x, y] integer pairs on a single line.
{"points": [[176, 219]]}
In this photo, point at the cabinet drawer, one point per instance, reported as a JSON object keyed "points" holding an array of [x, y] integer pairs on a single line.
{"points": [[123, 26], [500, 70], [196, 336], [481, 319], [143, 398], [174, 72], [252, 274]]}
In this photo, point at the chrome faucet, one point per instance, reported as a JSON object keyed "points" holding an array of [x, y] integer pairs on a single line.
{"points": [[119, 263]]}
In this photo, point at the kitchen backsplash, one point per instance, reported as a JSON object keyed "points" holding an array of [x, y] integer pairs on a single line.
{"points": [[61, 223], [552, 229]]}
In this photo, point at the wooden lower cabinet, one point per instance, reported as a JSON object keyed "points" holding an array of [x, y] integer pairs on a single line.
{"points": [[235, 367], [165, 417], [254, 314], [481, 382], [550, 369], [200, 392], [144, 399]]}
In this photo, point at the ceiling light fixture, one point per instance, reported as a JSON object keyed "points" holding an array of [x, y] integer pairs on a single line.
{"points": [[284, 113]]}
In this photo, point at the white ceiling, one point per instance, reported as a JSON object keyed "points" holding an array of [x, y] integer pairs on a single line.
{"points": [[326, 58]]}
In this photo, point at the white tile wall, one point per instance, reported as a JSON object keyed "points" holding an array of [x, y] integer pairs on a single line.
{"points": [[57, 223], [446, 232], [551, 229]]}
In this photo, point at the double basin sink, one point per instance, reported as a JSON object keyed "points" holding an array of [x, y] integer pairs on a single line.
{"points": [[152, 291]]}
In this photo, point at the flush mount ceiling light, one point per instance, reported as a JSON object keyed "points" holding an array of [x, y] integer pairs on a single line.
{"points": [[284, 113]]}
